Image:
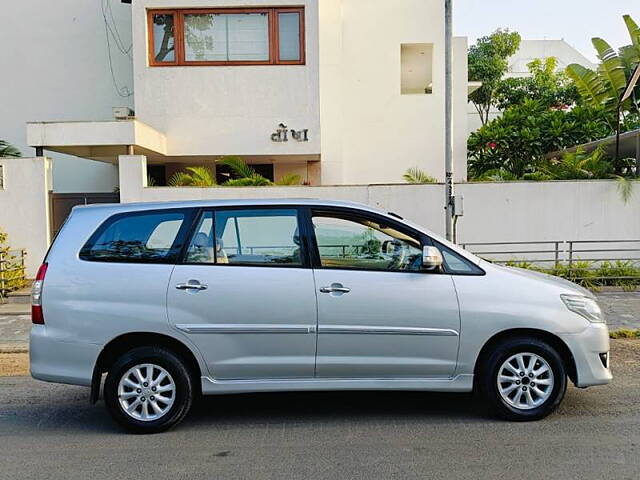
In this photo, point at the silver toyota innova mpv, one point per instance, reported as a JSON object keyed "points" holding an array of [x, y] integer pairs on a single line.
{"points": [[174, 300]]}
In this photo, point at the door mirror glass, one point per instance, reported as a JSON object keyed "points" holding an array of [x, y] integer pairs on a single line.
{"points": [[431, 258]]}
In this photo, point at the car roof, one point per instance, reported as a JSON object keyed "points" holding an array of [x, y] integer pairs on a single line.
{"points": [[126, 207]]}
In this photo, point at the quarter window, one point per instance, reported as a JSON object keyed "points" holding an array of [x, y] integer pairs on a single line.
{"points": [[137, 238], [227, 36], [360, 243]]}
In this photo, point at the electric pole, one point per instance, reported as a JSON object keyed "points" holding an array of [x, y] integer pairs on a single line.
{"points": [[448, 115]]}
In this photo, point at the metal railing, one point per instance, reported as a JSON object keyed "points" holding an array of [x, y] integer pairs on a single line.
{"points": [[12, 271], [575, 255]]}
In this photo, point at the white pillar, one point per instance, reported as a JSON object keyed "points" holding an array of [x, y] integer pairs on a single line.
{"points": [[133, 177]]}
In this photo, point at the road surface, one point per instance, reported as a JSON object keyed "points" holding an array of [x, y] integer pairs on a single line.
{"points": [[51, 431]]}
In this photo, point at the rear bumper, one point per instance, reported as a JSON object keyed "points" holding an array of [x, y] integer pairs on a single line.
{"points": [[587, 347], [58, 361]]}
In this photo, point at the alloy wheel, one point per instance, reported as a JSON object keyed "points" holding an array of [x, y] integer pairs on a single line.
{"points": [[525, 381], [146, 392]]}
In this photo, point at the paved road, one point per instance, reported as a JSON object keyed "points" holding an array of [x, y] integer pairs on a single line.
{"points": [[50, 431]]}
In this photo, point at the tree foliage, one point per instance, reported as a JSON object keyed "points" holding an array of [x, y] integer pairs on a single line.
{"points": [[517, 141], [488, 62], [8, 150], [551, 88]]}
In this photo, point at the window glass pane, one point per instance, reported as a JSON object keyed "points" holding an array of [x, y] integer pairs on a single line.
{"points": [[254, 237], [456, 263], [226, 37], [163, 40], [201, 245], [149, 238], [364, 244], [289, 30]]}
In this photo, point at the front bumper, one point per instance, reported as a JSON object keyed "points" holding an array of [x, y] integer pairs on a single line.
{"points": [[586, 348], [53, 360]]}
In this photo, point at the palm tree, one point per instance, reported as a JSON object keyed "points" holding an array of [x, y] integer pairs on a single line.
{"points": [[245, 176], [415, 175], [193, 177], [8, 150], [290, 179]]}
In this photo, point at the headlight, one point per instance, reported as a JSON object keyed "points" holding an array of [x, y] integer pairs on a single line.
{"points": [[584, 306]]}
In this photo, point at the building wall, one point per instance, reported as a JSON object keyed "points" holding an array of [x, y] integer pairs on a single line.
{"points": [[56, 67], [370, 132], [228, 110], [494, 212], [24, 207]]}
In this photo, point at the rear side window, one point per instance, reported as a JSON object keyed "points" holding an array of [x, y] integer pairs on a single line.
{"points": [[147, 237], [250, 237]]}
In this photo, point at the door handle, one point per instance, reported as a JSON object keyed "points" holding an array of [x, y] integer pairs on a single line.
{"points": [[335, 288], [191, 286]]}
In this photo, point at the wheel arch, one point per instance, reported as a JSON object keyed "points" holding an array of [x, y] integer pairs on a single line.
{"points": [[123, 343], [556, 342]]}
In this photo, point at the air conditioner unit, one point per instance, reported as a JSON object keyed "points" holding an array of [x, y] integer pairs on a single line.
{"points": [[123, 113]]}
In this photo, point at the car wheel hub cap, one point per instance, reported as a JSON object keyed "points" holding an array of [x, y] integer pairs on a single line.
{"points": [[525, 381], [146, 392]]}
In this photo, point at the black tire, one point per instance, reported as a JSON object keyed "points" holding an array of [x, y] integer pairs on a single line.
{"points": [[166, 359], [488, 379]]}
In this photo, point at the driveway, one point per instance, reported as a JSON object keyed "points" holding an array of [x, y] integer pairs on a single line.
{"points": [[50, 431]]}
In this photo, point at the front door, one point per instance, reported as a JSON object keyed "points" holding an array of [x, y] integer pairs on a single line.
{"points": [[245, 295], [379, 314]]}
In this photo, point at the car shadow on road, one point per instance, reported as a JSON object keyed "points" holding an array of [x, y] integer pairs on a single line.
{"points": [[336, 407]]}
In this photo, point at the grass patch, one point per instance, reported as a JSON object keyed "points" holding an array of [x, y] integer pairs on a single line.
{"points": [[625, 333], [622, 274]]}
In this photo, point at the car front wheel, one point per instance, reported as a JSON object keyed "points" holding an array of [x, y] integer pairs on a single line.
{"points": [[523, 379], [148, 390]]}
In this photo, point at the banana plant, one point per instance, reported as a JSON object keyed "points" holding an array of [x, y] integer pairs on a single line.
{"points": [[603, 86]]}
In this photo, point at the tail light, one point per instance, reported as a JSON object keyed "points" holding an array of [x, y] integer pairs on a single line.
{"points": [[36, 296]]}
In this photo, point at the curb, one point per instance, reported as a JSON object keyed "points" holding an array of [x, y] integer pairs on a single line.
{"points": [[17, 347]]}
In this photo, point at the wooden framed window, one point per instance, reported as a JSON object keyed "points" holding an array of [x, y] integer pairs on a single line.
{"points": [[226, 36]]}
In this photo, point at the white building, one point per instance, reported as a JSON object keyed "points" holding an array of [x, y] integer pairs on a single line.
{"points": [[529, 51], [55, 66], [359, 86]]}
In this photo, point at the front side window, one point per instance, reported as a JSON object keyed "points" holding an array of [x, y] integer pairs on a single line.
{"points": [[247, 237], [240, 36], [153, 237], [347, 242]]}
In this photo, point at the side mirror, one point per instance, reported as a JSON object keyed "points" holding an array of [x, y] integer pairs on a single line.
{"points": [[431, 258]]}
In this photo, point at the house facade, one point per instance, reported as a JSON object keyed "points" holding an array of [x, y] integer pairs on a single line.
{"points": [[336, 91]]}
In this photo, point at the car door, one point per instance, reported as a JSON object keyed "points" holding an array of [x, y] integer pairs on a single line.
{"points": [[379, 314], [245, 294]]}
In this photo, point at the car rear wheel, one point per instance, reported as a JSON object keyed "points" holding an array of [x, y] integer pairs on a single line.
{"points": [[523, 379], [148, 390]]}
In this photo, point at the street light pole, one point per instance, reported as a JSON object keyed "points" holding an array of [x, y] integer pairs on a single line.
{"points": [[448, 93]]}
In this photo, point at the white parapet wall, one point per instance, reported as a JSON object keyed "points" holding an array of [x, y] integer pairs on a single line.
{"points": [[24, 207], [494, 212]]}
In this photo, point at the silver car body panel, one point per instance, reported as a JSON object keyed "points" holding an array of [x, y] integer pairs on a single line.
{"points": [[261, 340]]}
